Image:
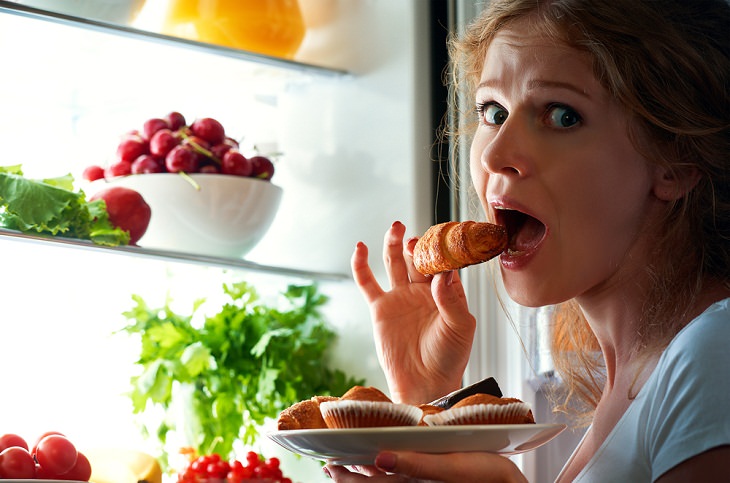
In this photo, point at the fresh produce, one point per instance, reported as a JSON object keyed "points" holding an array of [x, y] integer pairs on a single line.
{"points": [[212, 467], [53, 456], [169, 145], [243, 364], [127, 210], [52, 207], [118, 465]]}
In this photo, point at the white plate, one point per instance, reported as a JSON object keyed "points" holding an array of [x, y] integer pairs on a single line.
{"points": [[360, 446], [40, 481]]}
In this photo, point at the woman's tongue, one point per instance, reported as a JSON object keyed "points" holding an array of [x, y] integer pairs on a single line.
{"points": [[527, 235]]}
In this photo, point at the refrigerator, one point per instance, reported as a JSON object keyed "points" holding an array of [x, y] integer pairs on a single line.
{"points": [[354, 116]]}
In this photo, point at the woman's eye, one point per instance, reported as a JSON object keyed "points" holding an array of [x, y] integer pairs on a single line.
{"points": [[492, 113], [562, 117]]}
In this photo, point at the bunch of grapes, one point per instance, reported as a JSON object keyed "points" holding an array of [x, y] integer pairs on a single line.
{"points": [[213, 469], [169, 145]]}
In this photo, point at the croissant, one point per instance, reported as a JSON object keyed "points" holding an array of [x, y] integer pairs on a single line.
{"points": [[304, 414], [453, 245]]}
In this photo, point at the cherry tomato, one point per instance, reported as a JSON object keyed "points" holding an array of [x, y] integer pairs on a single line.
{"points": [[56, 453], [47, 433], [8, 440], [81, 471], [16, 462]]}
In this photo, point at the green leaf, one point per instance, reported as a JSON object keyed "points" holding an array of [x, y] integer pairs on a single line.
{"points": [[244, 364], [51, 207], [195, 358]]}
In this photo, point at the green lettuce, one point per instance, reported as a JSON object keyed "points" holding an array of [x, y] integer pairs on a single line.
{"points": [[52, 207]]}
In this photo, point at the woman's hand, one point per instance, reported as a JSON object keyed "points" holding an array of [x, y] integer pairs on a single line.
{"points": [[403, 466], [423, 328]]}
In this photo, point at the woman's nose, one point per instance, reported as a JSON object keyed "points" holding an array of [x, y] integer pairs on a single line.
{"points": [[507, 151]]}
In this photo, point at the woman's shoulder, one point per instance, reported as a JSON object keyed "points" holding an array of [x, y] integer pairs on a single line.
{"points": [[700, 349], [711, 329]]}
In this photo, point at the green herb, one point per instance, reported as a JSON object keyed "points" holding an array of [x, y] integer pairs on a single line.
{"points": [[52, 207], [240, 366]]}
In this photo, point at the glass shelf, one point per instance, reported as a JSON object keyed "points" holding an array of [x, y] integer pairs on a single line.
{"points": [[167, 255], [123, 30]]}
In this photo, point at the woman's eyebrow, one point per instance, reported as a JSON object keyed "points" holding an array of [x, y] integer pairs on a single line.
{"points": [[539, 84]]}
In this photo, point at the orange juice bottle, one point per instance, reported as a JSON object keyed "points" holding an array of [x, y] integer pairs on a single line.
{"points": [[270, 27]]}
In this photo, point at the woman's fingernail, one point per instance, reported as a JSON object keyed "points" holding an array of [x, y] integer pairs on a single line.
{"points": [[449, 278], [385, 461], [326, 471]]}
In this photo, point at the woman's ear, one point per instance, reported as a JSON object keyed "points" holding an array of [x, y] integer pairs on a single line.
{"points": [[674, 185]]}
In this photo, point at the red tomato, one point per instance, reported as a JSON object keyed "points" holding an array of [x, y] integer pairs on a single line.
{"points": [[81, 471], [43, 474], [56, 454], [9, 439], [47, 433], [16, 462]]}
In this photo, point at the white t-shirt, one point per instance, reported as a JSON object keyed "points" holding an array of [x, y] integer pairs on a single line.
{"points": [[682, 410]]}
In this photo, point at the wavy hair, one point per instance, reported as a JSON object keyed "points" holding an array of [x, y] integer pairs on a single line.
{"points": [[668, 63]]}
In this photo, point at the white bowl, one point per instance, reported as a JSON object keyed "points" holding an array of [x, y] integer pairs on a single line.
{"points": [[223, 216]]}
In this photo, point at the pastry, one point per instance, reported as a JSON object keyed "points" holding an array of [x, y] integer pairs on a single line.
{"points": [[350, 413], [428, 409], [361, 393], [483, 409], [368, 407], [454, 245], [304, 414], [485, 386]]}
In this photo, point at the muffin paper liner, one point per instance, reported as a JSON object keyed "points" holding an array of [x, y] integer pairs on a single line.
{"points": [[369, 414], [512, 413]]}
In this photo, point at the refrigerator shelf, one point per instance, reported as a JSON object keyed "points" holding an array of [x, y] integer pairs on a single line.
{"points": [[8, 7], [168, 255]]}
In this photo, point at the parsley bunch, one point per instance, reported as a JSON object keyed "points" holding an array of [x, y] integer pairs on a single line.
{"points": [[242, 365]]}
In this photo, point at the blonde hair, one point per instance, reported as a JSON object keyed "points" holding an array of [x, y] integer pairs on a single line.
{"points": [[668, 63]]}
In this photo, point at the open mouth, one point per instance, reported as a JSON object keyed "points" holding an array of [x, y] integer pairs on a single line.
{"points": [[525, 231]]}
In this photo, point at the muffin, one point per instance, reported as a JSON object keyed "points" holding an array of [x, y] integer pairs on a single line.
{"points": [[483, 409], [361, 393], [428, 409], [368, 407]]}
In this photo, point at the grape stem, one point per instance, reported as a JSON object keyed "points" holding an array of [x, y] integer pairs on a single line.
{"points": [[190, 180], [201, 149]]}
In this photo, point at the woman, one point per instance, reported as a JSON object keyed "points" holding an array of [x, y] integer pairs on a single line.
{"points": [[602, 145]]}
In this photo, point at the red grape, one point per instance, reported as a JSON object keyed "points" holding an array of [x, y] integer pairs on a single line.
{"points": [[92, 173], [131, 147], [220, 149], [147, 164], [199, 144], [262, 167], [120, 168], [163, 141], [175, 120], [209, 129], [209, 169], [182, 158], [151, 126], [236, 164]]}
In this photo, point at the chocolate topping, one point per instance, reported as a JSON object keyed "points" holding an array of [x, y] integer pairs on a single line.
{"points": [[485, 386]]}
